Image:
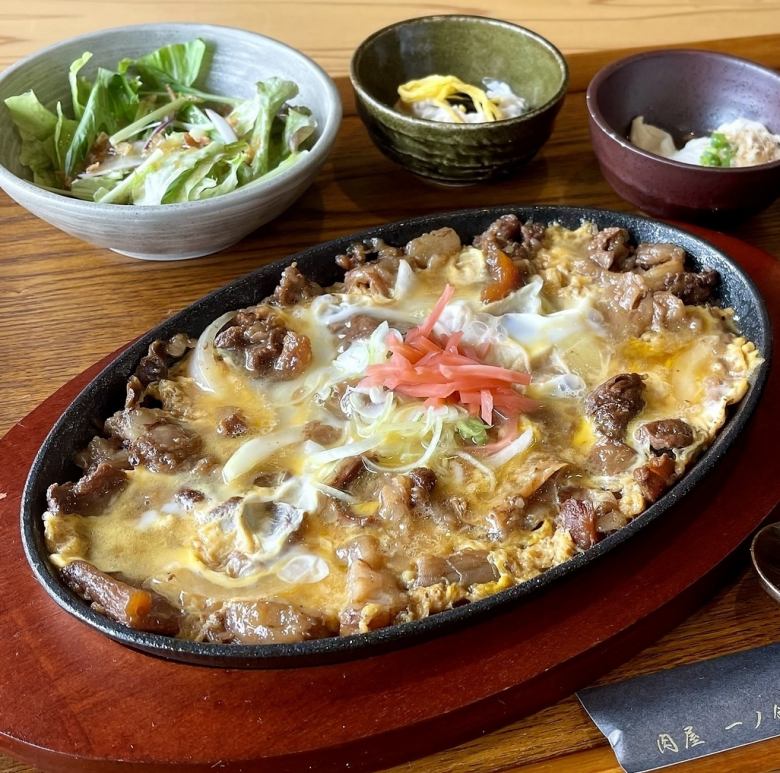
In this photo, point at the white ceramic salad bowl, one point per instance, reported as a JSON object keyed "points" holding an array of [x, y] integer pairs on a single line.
{"points": [[236, 60]]}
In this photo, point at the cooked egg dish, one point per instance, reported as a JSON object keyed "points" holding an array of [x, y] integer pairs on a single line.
{"points": [[448, 421]]}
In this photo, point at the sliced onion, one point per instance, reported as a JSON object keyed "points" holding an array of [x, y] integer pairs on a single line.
{"points": [[203, 367], [224, 129], [483, 468], [304, 568], [335, 493], [404, 280], [421, 462], [356, 448], [521, 443], [256, 450]]}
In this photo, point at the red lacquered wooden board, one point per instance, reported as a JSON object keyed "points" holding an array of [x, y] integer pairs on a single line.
{"points": [[72, 700]]}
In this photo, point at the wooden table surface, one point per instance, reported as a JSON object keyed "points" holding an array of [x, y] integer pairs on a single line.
{"points": [[64, 304]]}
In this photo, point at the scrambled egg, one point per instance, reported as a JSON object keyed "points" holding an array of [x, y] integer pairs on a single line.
{"points": [[564, 326]]}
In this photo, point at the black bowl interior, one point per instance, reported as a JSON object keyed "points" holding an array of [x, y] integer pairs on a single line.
{"points": [[469, 47], [105, 394], [688, 93]]}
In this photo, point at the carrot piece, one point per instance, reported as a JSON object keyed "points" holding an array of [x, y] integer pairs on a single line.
{"points": [[506, 276]]}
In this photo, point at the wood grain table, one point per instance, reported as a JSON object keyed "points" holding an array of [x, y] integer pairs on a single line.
{"points": [[64, 304]]}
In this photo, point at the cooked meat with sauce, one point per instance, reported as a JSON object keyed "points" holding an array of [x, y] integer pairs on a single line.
{"points": [[690, 287], [294, 287], [89, 494], [610, 248], [665, 434], [614, 403], [270, 349], [447, 421], [134, 607]]}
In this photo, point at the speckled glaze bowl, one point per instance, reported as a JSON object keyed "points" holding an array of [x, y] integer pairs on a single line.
{"points": [[686, 92], [171, 231], [470, 47]]}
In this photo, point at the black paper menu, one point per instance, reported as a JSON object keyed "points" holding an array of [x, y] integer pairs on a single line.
{"points": [[691, 711]]}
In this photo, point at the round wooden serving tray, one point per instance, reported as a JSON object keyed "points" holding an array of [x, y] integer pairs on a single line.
{"points": [[73, 700]]}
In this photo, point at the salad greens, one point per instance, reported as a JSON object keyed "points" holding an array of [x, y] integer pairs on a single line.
{"points": [[145, 134], [720, 152]]}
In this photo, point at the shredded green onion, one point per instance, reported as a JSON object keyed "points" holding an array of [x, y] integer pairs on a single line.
{"points": [[719, 153], [473, 429]]}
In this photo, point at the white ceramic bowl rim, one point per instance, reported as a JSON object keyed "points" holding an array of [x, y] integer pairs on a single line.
{"points": [[320, 148], [443, 125], [605, 72]]}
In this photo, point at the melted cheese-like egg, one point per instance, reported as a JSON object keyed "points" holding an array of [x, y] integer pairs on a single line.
{"points": [[565, 326]]}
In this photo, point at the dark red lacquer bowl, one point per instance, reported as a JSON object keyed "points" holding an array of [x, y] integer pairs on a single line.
{"points": [[686, 92]]}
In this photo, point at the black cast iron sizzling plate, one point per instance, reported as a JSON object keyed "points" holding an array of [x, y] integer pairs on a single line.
{"points": [[105, 394]]}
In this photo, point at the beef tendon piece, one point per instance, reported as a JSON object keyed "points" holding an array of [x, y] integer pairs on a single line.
{"points": [[359, 253], [656, 476], [233, 425], [610, 457], [294, 287], [354, 328], [347, 473], [578, 517], [692, 288], [160, 356], [507, 234], [610, 248], [270, 348], [319, 432], [101, 450], [165, 446], [272, 622], [441, 243], [464, 568], [139, 609], [374, 593], [614, 403], [665, 434], [89, 495], [652, 254], [375, 278]]}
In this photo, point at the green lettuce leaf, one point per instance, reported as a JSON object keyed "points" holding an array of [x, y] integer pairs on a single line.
{"points": [[298, 127], [244, 115], [272, 95], [79, 87], [112, 104], [30, 116], [223, 178], [91, 188], [175, 65], [63, 136], [36, 125]]}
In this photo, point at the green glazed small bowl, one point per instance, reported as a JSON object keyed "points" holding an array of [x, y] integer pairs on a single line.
{"points": [[471, 48]]}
